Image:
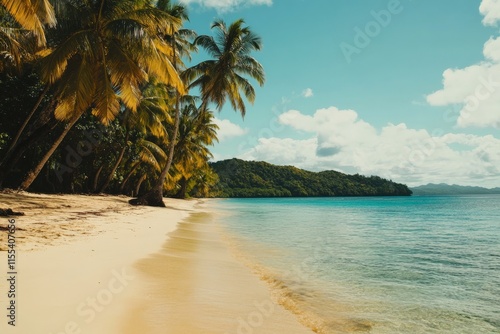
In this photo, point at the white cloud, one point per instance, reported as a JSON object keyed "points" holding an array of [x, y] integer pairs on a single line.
{"points": [[227, 129], [474, 89], [491, 11], [341, 140], [226, 5], [308, 92]]}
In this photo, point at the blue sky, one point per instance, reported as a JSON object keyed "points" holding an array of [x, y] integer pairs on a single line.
{"points": [[404, 89]]}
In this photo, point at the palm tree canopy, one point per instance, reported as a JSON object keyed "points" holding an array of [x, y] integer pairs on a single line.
{"points": [[197, 131], [223, 77], [108, 50]]}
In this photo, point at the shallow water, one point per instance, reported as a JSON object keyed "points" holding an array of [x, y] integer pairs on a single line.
{"points": [[422, 264]]}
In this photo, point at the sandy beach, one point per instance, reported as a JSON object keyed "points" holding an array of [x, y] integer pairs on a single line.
{"points": [[94, 264]]}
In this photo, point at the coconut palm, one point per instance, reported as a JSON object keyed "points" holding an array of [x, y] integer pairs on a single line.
{"points": [[99, 61], [197, 131], [220, 79], [179, 42], [223, 77], [149, 119], [150, 156], [22, 36]]}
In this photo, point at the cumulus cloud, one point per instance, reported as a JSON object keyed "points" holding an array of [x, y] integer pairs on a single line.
{"points": [[308, 92], [475, 89], [227, 129], [340, 140], [226, 5], [491, 11]]}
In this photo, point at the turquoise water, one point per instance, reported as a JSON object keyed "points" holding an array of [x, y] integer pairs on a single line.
{"points": [[377, 265]]}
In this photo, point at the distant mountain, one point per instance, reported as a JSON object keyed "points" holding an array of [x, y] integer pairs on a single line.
{"points": [[239, 178], [446, 189]]}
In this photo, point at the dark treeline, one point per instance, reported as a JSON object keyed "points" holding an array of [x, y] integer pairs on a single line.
{"points": [[238, 178], [96, 96]]}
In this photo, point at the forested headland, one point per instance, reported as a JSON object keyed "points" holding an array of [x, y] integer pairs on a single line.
{"points": [[238, 178]]}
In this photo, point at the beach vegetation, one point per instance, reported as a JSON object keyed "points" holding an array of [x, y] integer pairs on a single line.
{"points": [[95, 96]]}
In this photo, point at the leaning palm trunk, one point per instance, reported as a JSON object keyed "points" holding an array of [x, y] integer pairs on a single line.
{"points": [[7, 165], [96, 179], [154, 197], [132, 170], [117, 164], [23, 126], [32, 175], [141, 180]]}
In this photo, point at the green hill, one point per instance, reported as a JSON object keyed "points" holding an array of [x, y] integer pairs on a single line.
{"points": [[238, 178], [446, 189]]}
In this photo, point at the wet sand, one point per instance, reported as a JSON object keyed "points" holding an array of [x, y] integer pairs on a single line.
{"points": [[196, 285]]}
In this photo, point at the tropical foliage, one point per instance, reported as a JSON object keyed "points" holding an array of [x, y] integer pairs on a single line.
{"points": [[95, 96]]}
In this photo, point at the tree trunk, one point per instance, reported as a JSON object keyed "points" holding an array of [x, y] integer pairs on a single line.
{"points": [[141, 180], [32, 175], [132, 170], [118, 162], [96, 179], [7, 165], [23, 126], [183, 189], [154, 197]]}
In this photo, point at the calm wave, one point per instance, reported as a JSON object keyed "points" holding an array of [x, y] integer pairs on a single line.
{"points": [[377, 265]]}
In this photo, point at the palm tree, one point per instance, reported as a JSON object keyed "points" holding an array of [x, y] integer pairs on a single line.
{"points": [[197, 131], [182, 48], [101, 59], [22, 35], [151, 155], [220, 79], [149, 119]]}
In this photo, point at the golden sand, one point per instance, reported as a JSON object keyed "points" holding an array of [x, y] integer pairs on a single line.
{"points": [[94, 264]]}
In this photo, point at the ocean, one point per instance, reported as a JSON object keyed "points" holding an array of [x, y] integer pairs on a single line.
{"points": [[420, 264]]}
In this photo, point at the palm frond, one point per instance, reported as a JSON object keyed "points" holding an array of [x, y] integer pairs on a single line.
{"points": [[250, 66], [209, 44], [54, 64], [247, 88], [125, 74], [31, 14], [106, 101]]}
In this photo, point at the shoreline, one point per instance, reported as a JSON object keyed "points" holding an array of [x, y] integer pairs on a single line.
{"points": [[94, 264], [196, 285]]}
